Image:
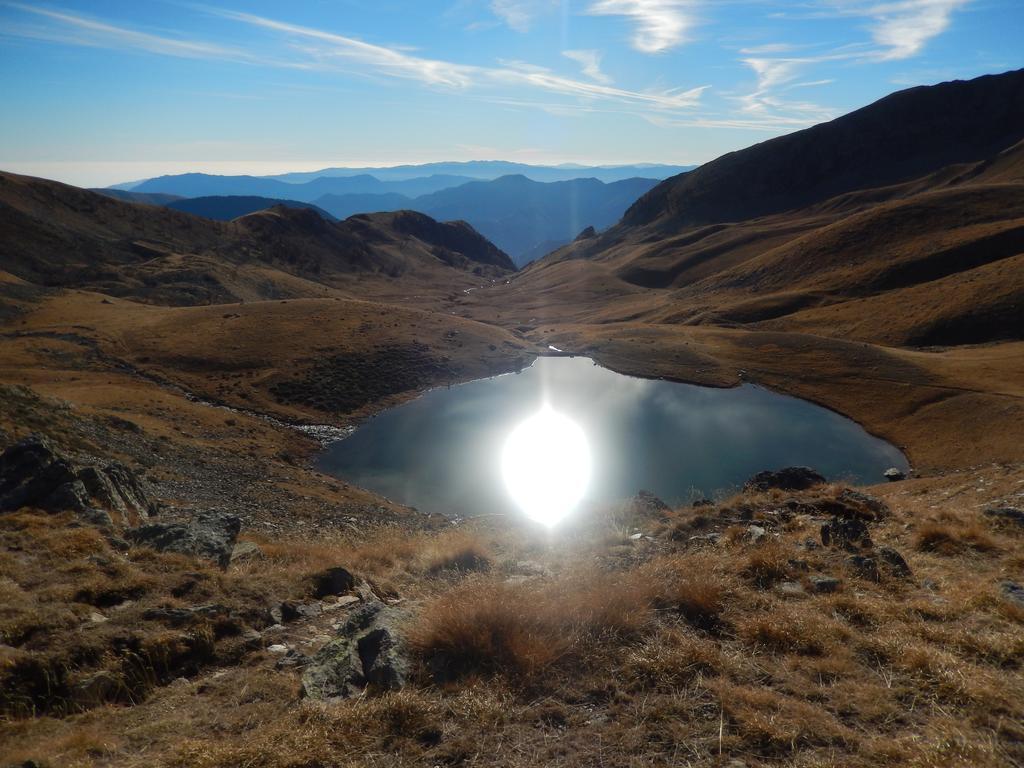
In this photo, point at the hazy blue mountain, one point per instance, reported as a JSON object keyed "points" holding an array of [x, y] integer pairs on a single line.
{"points": [[227, 207], [494, 169], [154, 198], [206, 185], [524, 218], [344, 206]]}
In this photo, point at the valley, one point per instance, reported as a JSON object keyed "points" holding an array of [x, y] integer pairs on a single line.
{"points": [[770, 624]]}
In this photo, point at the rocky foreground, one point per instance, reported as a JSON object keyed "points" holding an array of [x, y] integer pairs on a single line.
{"points": [[796, 621]]}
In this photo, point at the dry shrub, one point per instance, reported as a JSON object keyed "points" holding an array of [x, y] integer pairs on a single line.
{"points": [[767, 565], [454, 551], [493, 628], [402, 722], [771, 724], [793, 629], [953, 539], [693, 586], [671, 659]]}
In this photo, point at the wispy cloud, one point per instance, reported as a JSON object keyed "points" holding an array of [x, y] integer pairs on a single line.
{"points": [[899, 29], [659, 24], [312, 48], [85, 31], [902, 28], [402, 64], [519, 14], [590, 64]]}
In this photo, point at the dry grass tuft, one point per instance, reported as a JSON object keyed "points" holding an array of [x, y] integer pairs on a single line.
{"points": [[670, 660], [767, 565], [796, 629], [459, 551], [953, 539], [492, 628]]}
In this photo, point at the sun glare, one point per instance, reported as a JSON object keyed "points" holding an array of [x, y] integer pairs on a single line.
{"points": [[546, 464]]}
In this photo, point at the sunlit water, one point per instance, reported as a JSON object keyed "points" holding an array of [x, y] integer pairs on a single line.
{"points": [[443, 451]]}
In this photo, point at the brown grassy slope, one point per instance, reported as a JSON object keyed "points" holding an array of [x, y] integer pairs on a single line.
{"points": [[336, 359]]}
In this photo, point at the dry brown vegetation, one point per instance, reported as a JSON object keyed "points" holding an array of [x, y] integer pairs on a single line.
{"points": [[593, 651]]}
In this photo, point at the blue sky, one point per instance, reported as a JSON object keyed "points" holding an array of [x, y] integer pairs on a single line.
{"points": [[112, 90]]}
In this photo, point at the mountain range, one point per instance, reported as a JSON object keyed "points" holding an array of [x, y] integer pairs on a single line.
{"points": [[523, 216]]}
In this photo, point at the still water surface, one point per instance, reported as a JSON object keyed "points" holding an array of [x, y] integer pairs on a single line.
{"points": [[441, 452]]}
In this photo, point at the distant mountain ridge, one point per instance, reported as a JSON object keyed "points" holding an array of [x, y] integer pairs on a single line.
{"points": [[228, 207], [522, 215], [524, 218]]}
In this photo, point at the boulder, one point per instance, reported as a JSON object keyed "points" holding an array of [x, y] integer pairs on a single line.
{"points": [[755, 534], [333, 581], [894, 474], [787, 479], [368, 652], [825, 584], [34, 474], [292, 611], [245, 551], [1005, 515], [844, 532], [210, 535]]}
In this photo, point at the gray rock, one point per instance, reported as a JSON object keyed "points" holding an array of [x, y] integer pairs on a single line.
{"points": [[1010, 515], [791, 588], [755, 534], [844, 532], [244, 551], [333, 581], [825, 584], [787, 479], [368, 651], [894, 561], [300, 611], [34, 474], [893, 474], [31, 472], [210, 535]]}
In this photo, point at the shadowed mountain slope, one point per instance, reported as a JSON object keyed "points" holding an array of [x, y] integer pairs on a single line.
{"points": [[902, 136], [60, 236]]}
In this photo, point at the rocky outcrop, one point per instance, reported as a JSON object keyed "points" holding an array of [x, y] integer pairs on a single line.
{"points": [[787, 479], [368, 653], [210, 535], [34, 474]]}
